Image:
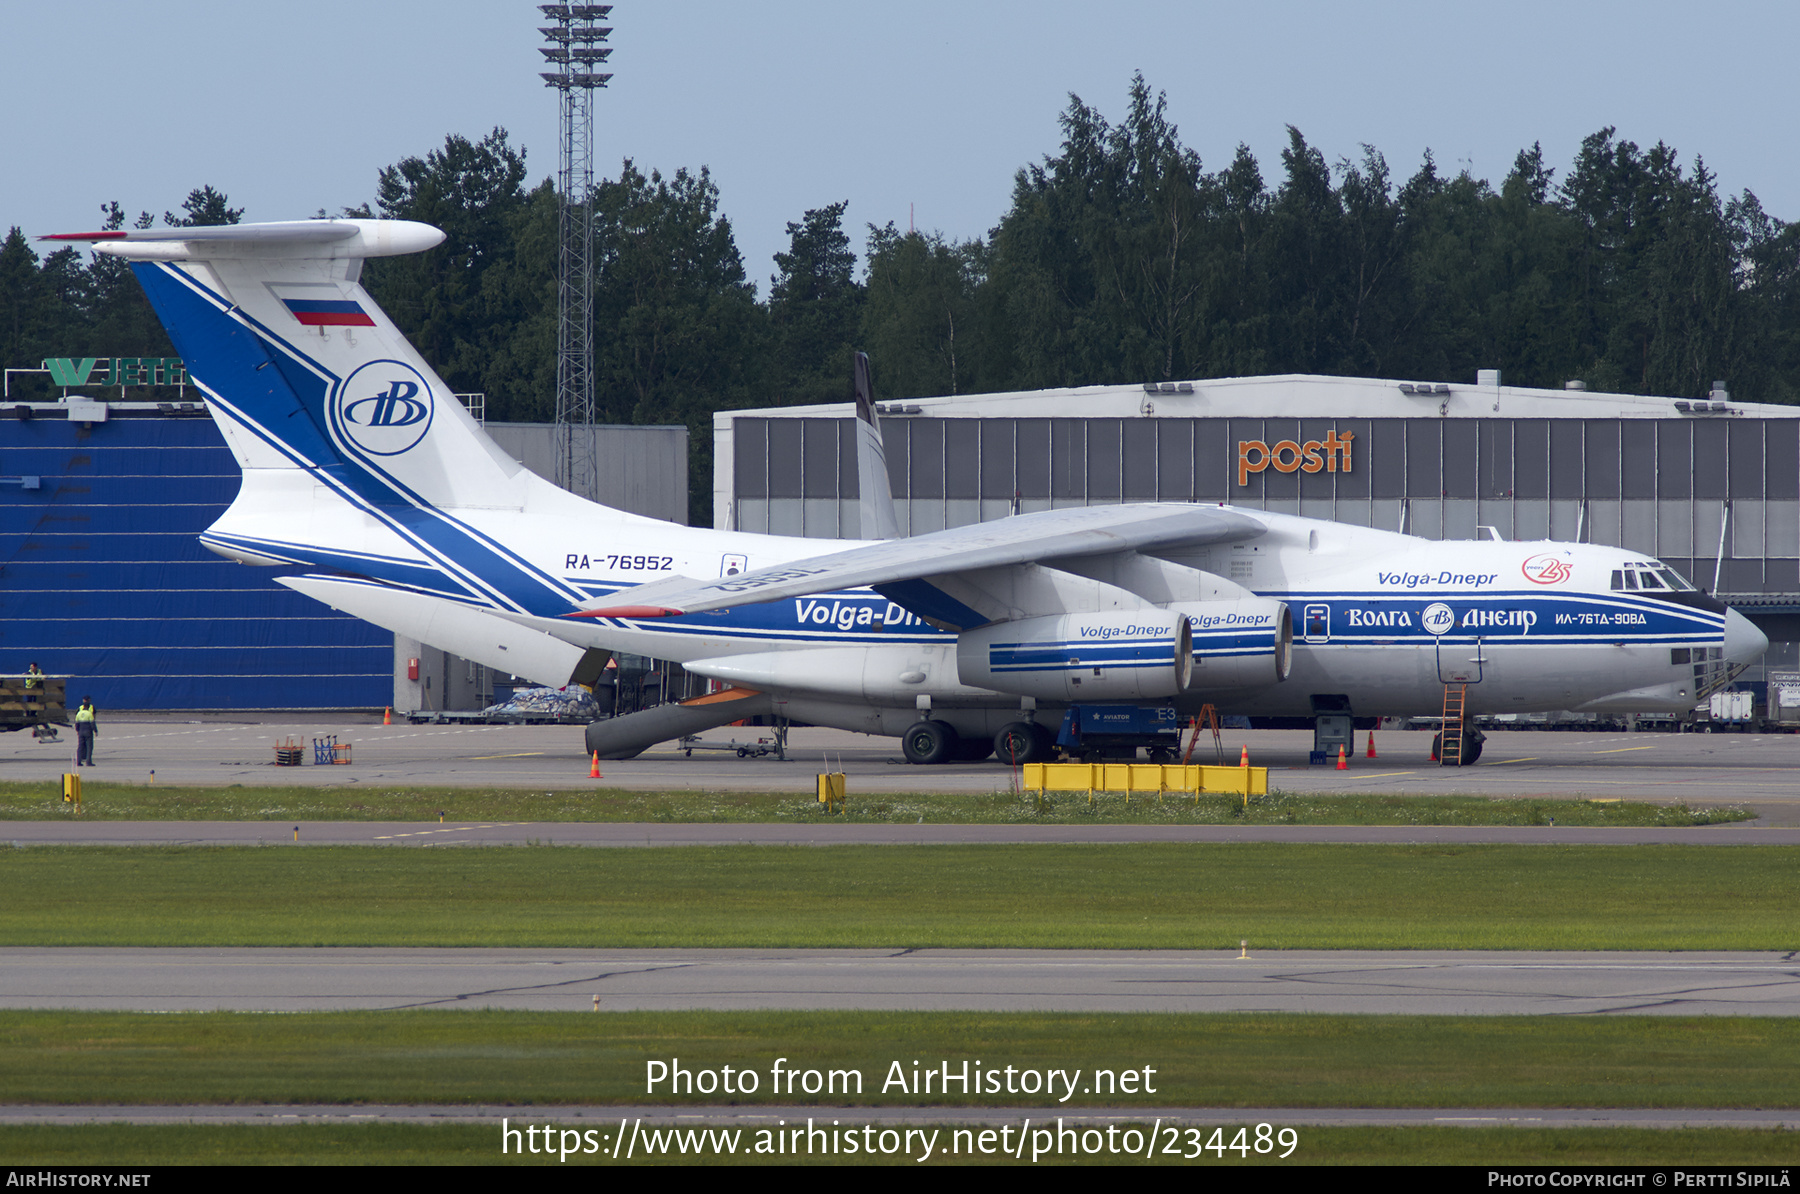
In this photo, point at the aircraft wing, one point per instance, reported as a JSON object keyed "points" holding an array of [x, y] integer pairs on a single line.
{"points": [[899, 567]]}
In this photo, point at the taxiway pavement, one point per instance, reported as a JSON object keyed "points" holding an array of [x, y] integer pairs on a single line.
{"points": [[1348, 982]]}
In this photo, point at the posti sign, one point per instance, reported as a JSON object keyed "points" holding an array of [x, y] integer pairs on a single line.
{"points": [[116, 371], [1329, 455]]}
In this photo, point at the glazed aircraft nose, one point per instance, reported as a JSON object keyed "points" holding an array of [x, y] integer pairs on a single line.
{"points": [[1744, 643]]}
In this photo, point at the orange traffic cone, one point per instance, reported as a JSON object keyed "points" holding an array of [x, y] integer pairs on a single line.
{"points": [[1343, 759], [1244, 760], [1434, 748], [387, 716], [1371, 744], [594, 770]]}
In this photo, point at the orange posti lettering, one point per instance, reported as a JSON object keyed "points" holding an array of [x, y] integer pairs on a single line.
{"points": [[1245, 465], [1287, 456]]}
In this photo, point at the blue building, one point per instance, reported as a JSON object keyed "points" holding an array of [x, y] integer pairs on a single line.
{"points": [[102, 577]]}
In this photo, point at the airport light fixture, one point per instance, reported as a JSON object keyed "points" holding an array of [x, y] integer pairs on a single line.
{"points": [[573, 52]]}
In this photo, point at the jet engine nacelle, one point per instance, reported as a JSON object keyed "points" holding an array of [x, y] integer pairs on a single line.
{"points": [[1086, 657], [1239, 644]]}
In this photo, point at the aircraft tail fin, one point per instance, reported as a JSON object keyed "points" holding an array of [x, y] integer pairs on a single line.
{"points": [[303, 370], [358, 459], [879, 520]]}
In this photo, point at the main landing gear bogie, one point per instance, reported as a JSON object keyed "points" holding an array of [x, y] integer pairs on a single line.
{"points": [[930, 742]]}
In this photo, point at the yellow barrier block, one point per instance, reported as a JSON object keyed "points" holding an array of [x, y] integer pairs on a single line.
{"points": [[1062, 777], [1135, 777], [1145, 777]]}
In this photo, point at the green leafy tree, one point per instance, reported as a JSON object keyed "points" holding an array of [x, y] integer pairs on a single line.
{"points": [[677, 330], [205, 207], [922, 322], [23, 309], [1237, 311], [115, 317], [1527, 254], [1306, 258], [474, 192], [1374, 244], [815, 307], [1767, 359], [1041, 269], [519, 298]]}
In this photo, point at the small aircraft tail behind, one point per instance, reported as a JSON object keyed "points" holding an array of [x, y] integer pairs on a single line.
{"points": [[879, 520]]}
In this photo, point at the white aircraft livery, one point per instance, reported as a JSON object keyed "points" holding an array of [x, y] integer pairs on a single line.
{"points": [[374, 491]]}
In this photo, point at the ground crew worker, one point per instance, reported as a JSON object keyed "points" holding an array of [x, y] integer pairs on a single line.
{"points": [[34, 690], [85, 729]]}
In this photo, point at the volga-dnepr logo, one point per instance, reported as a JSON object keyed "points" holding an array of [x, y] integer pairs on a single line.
{"points": [[384, 408]]}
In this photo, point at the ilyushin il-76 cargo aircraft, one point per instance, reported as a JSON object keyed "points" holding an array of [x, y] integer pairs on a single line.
{"points": [[373, 490]]}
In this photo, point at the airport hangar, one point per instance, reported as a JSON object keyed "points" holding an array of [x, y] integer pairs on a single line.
{"points": [[1711, 487]]}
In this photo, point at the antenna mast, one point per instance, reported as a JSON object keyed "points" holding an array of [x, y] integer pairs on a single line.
{"points": [[573, 54]]}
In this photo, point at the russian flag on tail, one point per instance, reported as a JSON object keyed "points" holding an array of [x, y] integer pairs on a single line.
{"points": [[329, 313]]}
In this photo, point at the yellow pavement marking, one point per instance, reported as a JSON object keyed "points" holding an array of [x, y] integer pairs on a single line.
{"points": [[1383, 774], [1503, 762], [385, 837], [1621, 750], [524, 754]]}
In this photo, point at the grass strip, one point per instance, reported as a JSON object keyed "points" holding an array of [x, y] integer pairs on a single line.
{"points": [[479, 1144], [601, 1059], [1138, 896], [131, 802]]}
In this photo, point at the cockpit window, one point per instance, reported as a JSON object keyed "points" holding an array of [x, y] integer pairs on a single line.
{"points": [[1656, 577]]}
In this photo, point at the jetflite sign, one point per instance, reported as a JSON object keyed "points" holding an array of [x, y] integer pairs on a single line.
{"points": [[1287, 456], [115, 371]]}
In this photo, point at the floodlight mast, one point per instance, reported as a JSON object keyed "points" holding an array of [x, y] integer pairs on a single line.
{"points": [[574, 54]]}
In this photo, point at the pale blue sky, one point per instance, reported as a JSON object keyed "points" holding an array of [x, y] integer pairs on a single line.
{"points": [[292, 107]]}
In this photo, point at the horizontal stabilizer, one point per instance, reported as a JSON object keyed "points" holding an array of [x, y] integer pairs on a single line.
{"points": [[311, 239]]}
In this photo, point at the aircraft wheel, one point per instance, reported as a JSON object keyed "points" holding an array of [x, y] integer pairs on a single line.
{"points": [[1021, 742], [1472, 746], [928, 742]]}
